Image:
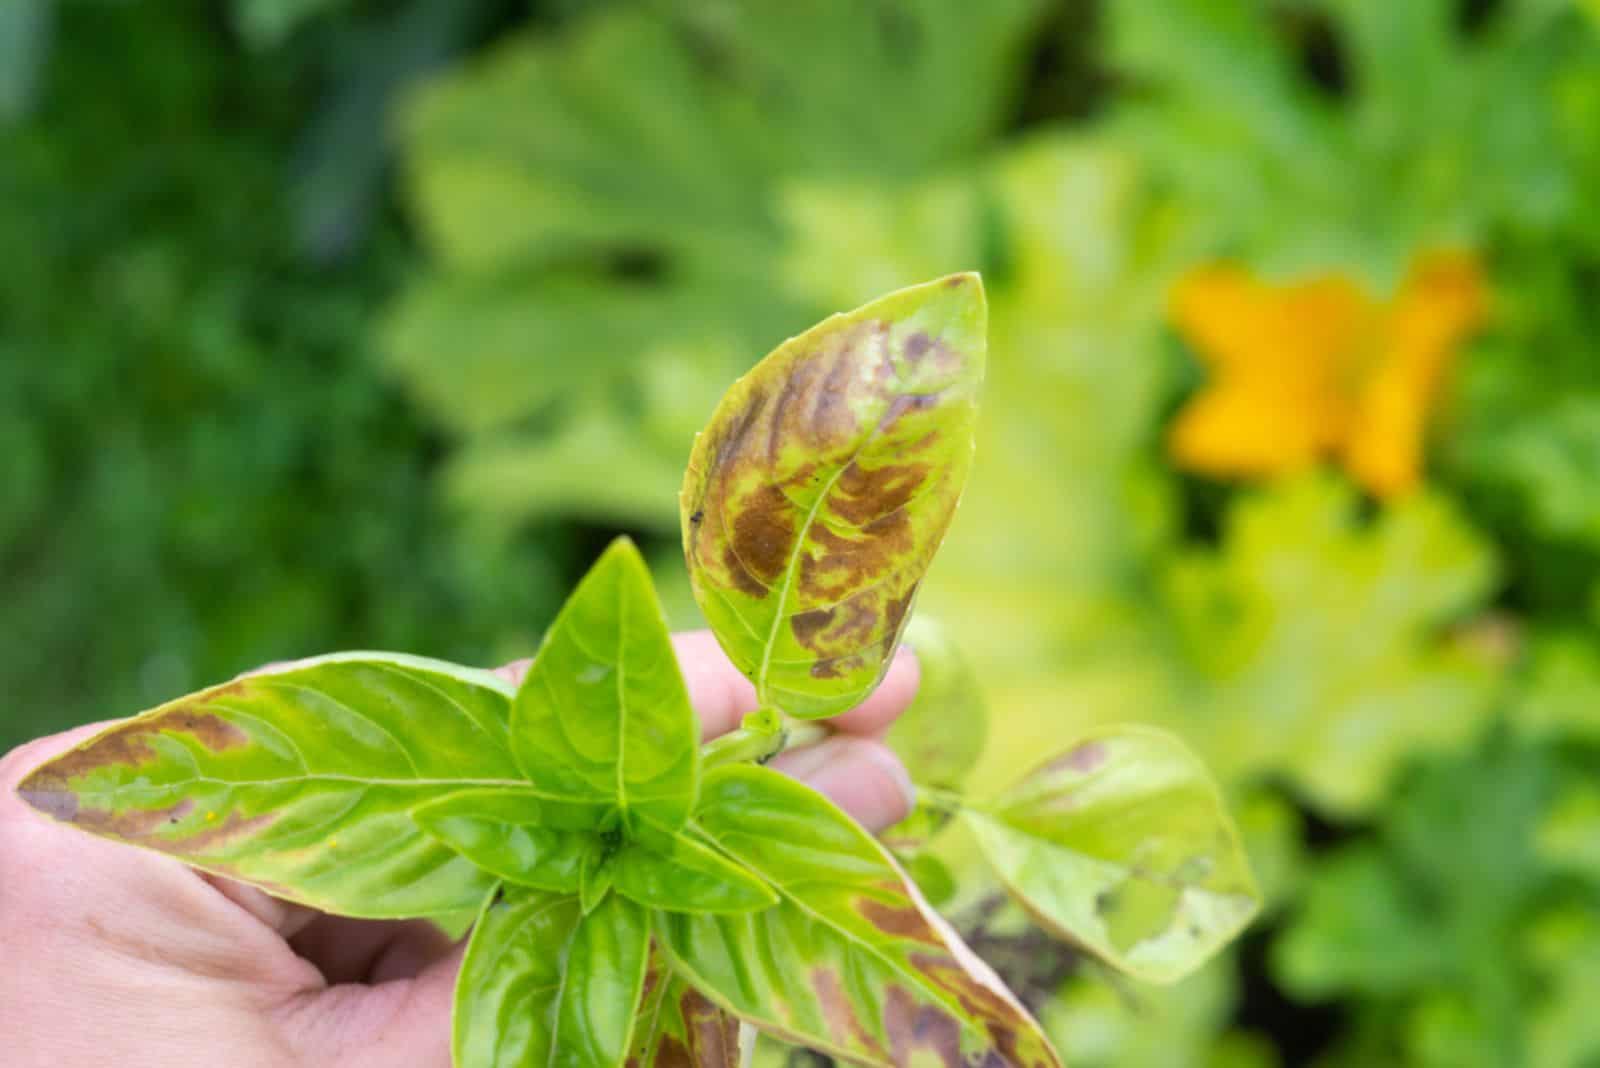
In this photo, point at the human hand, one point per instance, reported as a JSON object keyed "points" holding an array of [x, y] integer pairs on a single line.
{"points": [[117, 956]]}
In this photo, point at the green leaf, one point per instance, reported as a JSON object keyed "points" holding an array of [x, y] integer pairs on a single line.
{"points": [[301, 780], [1123, 845], [1312, 643], [940, 736], [603, 717], [596, 873], [679, 1027], [850, 962], [516, 834], [670, 131], [1441, 136], [545, 984], [676, 873], [823, 484]]}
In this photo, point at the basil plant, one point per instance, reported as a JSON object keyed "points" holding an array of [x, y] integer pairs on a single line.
{"points": [[638, 897]]}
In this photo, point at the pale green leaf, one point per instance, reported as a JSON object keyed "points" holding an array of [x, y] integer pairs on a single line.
{"points": [[940, 736], [851, 962], [545, 985], [1309, 644], [603, 717], [676, 873], [515, 833], [1123, 845], [301, 780], [823, 485]]}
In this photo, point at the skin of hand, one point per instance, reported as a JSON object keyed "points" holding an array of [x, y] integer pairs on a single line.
{"points": [[117, 956]]}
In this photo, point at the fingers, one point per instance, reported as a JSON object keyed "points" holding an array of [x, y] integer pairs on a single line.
{"points": [[721, 695], [370, 951], [400, 1021], [861, 775]]}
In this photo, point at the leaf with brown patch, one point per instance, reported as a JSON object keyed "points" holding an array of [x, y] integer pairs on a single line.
{"points": [[301, 780], [1123, 845], [679, 1027], [822, 486], [851, 962]]}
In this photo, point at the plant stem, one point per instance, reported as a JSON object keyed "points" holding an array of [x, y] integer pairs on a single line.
{"points": [[944, 800], [762, 735], [759, 737]]}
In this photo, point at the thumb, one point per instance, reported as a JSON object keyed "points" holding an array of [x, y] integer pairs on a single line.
{"points": [[402, 1023]]}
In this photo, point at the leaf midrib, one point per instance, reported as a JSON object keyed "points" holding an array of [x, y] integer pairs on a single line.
{"points": [[801, 536]]}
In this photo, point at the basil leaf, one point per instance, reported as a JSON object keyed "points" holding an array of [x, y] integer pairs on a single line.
{"points": [[821, 488], [1124, 846], [517, 834], [679, 1027], [545, 984], [595, 876], [850, 962], [681, 875], [301, 780], [941, 734], [603, 716]]}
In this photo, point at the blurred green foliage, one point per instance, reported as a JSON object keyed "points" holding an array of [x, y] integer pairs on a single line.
{"points": [[344, 328], [202, 470]]}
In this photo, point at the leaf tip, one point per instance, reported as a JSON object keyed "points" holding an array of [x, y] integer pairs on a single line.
{"points": [[56, 803]]}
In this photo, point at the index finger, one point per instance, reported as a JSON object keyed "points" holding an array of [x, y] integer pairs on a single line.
{"points": [[721, 695]]}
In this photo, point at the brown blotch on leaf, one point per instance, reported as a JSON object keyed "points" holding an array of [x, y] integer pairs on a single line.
{"points": [[713, 1034], [912, 1027], [145, 827], [128, 746], [998, 1016], [837, 667], [764, 534], [840, 1012], [863, 495], [807, 625], [901, 921], [57, 804]]}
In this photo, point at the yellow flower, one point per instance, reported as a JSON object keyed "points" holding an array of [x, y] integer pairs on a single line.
{"points": [[1318, 368]]}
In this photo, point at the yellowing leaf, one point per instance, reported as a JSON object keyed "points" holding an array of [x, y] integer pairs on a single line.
{"points": [[1308, 645], [1123, 845], [851, 962], [301, 780], [1317, 368], [823, 485]]}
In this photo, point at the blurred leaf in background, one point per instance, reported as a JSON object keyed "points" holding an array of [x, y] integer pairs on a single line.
{"points": [[1456, 934], [202, 472], [602, 204], [1353, 132], [1313, 642]]}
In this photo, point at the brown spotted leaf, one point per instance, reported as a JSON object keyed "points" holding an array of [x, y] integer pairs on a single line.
{"points": [[1124, 846], [823, 484], [851, 961], [301, 780], [679, 1027]]}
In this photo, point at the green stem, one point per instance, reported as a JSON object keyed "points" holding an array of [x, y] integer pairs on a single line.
{"points": [[762, 735], [759, 737], [944, 800]]}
